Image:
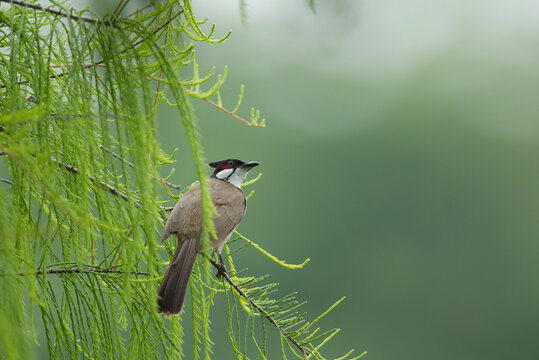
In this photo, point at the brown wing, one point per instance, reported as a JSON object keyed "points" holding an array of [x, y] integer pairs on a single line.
{"points": [[229, 202], [178, 222]]}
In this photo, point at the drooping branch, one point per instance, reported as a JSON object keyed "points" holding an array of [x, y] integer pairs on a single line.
{"points": [[137, 43], [102, 61]]}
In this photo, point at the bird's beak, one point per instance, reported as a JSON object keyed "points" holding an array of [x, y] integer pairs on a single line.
{"points": [[248, 166]]}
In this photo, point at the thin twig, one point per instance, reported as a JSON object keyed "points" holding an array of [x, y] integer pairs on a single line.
{"points": [[232, 114], [138, 11], [6, 181], [82, 271], [57, 12], [85, 65], [110, 188], [262, 312], [121, 6], [130, 164], [122, 244]]}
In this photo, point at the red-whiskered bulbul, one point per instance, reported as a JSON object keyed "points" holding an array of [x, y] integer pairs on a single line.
{"points": [[186, 222]]}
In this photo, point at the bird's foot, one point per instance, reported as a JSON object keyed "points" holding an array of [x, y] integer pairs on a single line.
{"points": [[221, 271]]}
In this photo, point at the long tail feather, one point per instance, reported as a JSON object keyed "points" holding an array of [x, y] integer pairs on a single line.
{"points": [[174, 285]]}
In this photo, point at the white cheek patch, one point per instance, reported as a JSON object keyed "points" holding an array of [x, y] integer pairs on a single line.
{"points": [[223, 174]]}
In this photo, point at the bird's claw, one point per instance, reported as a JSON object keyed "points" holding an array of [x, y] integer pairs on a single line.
{"points": [[221, 271]]}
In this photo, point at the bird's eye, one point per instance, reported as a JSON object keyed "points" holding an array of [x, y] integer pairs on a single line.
{"points": [[230, 163]]}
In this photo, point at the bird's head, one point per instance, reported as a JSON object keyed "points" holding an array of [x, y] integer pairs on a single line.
{"points": [[233, 171]]}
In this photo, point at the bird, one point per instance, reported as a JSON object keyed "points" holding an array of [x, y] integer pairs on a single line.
{"points": [[185, 222]]}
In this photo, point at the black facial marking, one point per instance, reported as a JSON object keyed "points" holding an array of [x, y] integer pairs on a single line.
{"points": [[231, 162], [225, 164]]}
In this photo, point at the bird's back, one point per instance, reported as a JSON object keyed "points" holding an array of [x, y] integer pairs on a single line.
{"points": [[186, 217]]}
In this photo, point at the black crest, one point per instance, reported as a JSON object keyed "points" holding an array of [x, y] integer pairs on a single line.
{"points": [[233, 163]]}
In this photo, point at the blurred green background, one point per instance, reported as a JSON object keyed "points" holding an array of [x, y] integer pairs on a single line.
{"points": [[400, 156]]}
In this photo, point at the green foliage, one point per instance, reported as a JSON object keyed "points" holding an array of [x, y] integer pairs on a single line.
{"points": [[80, 213]]}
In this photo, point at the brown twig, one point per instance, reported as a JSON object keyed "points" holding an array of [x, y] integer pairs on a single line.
{"points": [[262, 312], [138, 11], [110, 188], [74, 170], [121, 6], [83, 271], [85, 65], [122, 244]]}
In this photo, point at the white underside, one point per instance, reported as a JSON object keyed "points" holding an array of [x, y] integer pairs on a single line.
{"points": [[236, 178]]}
